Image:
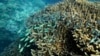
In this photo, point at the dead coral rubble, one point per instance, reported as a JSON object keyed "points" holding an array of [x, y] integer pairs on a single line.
{"points": [[67, 28]]}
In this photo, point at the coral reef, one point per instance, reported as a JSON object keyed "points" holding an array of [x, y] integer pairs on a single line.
{"points": [[67, 28], [52, 28]]}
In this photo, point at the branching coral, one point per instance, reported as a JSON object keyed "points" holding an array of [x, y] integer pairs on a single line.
{"points": [[57, 29]]}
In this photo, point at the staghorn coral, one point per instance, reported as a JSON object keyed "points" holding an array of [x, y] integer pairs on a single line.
{"points": [[67, 28]]}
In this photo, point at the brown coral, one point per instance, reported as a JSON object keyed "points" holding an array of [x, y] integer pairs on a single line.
{"points": [[68, 24]]}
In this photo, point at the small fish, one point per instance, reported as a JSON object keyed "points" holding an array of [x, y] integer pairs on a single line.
{"points": [[45, 37], [25, 44], [19, 31], [49, 25], [47, 30], [27, 33], [22, 39], [21, 50], [26, 39], [28, 46], [19, 46], [28, 30], [31, 40], [42, 25], [37, 28], [93, 40]]}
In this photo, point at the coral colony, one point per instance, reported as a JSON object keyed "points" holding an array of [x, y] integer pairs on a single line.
{"points": [[68, 27], [71, 27]]}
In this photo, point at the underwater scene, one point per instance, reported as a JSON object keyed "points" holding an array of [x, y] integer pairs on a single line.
{"points": [[49, 27]]}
